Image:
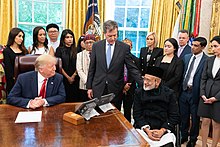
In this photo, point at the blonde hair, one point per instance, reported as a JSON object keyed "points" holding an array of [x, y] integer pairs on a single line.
{"points": [[43, 60], [155, 38]]}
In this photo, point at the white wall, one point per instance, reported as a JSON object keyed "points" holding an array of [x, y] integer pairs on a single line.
{"points": [[205, 19]]}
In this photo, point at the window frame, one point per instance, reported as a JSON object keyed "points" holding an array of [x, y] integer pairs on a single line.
{"points": [[110, 7], [33, 23]]}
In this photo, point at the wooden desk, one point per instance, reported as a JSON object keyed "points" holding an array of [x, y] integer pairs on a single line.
{"points": [[109, 129]]}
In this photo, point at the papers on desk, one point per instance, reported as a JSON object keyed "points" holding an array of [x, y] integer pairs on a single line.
{"points": [[90, 114], [87, 108], [29, 116], [106, 107]]}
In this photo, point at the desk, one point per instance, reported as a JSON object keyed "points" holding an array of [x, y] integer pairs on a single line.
{"points": [[109, 129]]}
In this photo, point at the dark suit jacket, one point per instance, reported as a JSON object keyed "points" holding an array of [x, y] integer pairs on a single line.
{"points": [[210, 86], [173, 75], [186, 50], [157, 108], [157, 52], [130, 78], [197, 76], [99, 74], [26, 88]]}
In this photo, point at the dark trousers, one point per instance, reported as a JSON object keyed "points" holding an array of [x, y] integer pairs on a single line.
{"points": [[187, 109], [117, 101], [168, 145], [128, 100], [84, 95]]}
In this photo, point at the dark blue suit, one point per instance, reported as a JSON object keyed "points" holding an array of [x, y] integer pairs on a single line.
{"points": [[26, 88], [186, 50], [189, 100]]}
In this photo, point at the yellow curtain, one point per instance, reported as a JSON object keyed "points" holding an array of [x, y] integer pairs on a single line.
{"points": [[163, 17], [76, 15], [215, 21], [7, 19]]}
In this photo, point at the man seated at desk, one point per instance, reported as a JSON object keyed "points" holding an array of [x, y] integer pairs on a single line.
{"points": [[156, 110], [43, 87]]}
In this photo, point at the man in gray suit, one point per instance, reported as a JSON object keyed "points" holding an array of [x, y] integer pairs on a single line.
{"points": [[106, 71]]}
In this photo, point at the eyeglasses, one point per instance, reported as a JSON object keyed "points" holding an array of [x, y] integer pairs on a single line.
{"points": [[89, 42], [50, 32]]}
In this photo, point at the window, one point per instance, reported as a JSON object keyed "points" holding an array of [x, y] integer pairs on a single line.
{"points": [[133, 20], [32, 13]]}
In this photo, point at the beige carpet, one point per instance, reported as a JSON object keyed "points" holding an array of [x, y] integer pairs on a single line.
{"points": [[199, 143]]}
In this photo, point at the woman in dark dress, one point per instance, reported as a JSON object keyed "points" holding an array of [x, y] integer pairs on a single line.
{"points": [[149, 54], [15, 47], [209, 105], [171, 65], [68, 53]]}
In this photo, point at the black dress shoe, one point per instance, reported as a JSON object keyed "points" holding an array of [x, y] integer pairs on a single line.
{"points": [[183, 140], [191, 144]]}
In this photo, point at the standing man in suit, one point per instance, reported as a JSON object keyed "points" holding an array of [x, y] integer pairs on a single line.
{"points": [[106, 70], [43, 87], [184, 48], [190, 94]]}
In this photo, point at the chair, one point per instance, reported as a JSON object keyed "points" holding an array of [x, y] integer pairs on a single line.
{"points": [[26, 63]]}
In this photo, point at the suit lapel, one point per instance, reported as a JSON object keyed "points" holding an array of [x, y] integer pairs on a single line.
{"points": [[102, 52], [201, 63], [187, 63], [145, 54], [115, 53], [171, 66], [217, 74], [34, 84], [153, 55], [211, 65], [50, 85]]}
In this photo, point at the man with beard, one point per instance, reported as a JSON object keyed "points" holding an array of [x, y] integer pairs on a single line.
{"points": [[156, 110]]}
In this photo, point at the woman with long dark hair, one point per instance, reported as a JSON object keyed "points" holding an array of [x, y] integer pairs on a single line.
{"points": [[171, 65], [67, 52], [15, 47], [40, 42]]}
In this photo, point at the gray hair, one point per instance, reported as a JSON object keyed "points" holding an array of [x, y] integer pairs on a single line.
{"points": [[110, 25], [184, 31], [43, 60]]}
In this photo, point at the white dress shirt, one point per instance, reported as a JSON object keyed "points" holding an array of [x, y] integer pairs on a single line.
{"points": [[54, 44], [39, 84], [180, 50], [112, 48], [216, 66], [196, 64]]}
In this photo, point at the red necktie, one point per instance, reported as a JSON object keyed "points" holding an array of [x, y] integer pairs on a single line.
{"points": [[43, 89]]}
